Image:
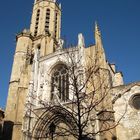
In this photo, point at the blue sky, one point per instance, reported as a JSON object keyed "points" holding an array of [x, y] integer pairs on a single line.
{"points": [[119, 22]]}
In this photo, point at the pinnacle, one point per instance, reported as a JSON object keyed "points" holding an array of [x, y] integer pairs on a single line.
{"points": [[97, 30]]}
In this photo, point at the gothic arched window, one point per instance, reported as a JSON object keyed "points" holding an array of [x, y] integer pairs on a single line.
{"points": [[60, 83]]}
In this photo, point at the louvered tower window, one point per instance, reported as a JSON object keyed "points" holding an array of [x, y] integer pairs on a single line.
{"points": [[37, 22], [60, 83], [47, 22], [56, 18]]}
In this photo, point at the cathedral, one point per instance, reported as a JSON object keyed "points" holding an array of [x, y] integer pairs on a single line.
{"points": [[59, 92]]}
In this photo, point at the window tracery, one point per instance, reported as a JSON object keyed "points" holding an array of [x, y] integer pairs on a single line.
{"points": [[60, 83]]}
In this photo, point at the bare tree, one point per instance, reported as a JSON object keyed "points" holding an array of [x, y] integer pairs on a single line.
{"points": [[80, 100], [91, 103]]}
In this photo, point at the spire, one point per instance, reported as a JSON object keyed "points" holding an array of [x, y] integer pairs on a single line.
{"points": [[97, 32], [99, 47], [98, 38]]}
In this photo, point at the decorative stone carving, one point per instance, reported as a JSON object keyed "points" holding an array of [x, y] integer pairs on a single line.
{"points": [[60, 43], [81, 40]]}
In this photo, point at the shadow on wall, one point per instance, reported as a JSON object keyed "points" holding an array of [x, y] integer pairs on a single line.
{"points": [[7, 130], [87, 138], [113, 138]]}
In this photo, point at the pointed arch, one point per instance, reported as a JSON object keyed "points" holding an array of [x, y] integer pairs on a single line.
{"points": [[54, 115]]}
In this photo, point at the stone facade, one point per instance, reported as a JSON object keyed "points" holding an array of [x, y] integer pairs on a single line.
{"points": [[127, 105], [39, 53]]}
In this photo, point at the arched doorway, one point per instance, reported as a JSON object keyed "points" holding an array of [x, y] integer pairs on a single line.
{"points": [[57, 123]]}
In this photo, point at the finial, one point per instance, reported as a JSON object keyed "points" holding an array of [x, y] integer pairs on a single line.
{"points": [[96, 24]]}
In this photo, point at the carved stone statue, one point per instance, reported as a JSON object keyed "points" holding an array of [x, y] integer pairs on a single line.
{"points": [[60, 43], [81, 40]]}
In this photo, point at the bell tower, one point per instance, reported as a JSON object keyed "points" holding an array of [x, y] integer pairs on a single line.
{"points": [[46, 18], [46, 25], [43, 37]]}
